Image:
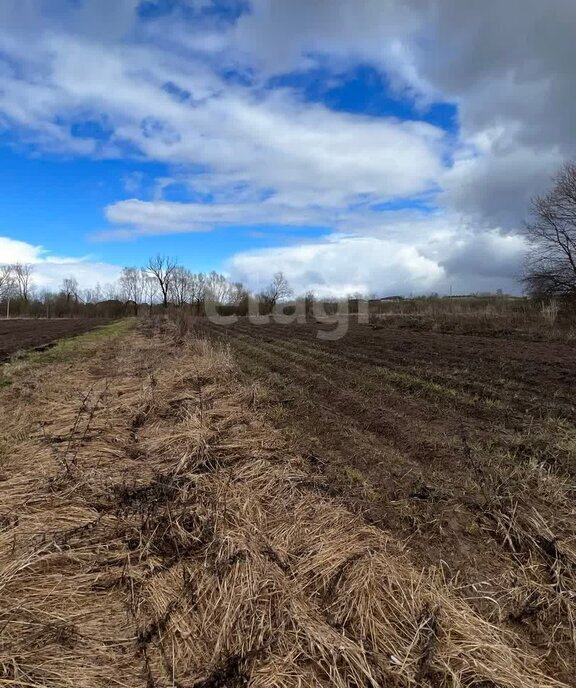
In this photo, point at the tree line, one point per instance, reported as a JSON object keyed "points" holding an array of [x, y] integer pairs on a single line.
{"points": [[549, 273], [160, 284]]}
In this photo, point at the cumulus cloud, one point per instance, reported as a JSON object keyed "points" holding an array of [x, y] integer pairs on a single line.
{"points": [[284, 35], [339, 266], [14, 251], [449, 259], [249, 155], [50, 270], [495, 182], [508, 67], [487, 258], [175, 110]]}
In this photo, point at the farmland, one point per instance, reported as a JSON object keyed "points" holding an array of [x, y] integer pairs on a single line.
{"points": [[249, 505], [462, 446], [22, 335]]}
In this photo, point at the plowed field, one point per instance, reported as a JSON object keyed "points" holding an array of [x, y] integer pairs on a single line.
{"points": [[21, 335], [463, 446]]}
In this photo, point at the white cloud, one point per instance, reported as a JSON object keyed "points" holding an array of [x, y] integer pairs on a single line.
{"points": [[339, 266], [14, 251], [270, 158], [177, 111], [136, 217], [496, 180], [50, 270], [163, 217], [507, 65], [284, 35], [449, 259]]}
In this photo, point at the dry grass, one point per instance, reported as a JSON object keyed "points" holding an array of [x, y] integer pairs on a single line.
{"points": [[154, 531], [499, 316]]}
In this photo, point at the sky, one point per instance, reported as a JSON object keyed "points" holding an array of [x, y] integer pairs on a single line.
{"points": [[359, 146]]}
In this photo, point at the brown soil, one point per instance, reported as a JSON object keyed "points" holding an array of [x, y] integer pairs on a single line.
{"points": [[26, 334], [450, 442], [156, 531]]}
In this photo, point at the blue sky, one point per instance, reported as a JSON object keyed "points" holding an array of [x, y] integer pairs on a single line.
{"points": [[69, 192], [347, 144], [58, 202]]}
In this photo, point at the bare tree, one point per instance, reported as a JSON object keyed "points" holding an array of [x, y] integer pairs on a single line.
{"points": [[550, 268], [97, 293], [111, 291], [236, 292], [70, 288], [6, 280], [198, 290], [216, 287], [23, 278], [278, 290], [132, 286], [217, 290], [162, 268], [150, 290], [181, 286]]}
